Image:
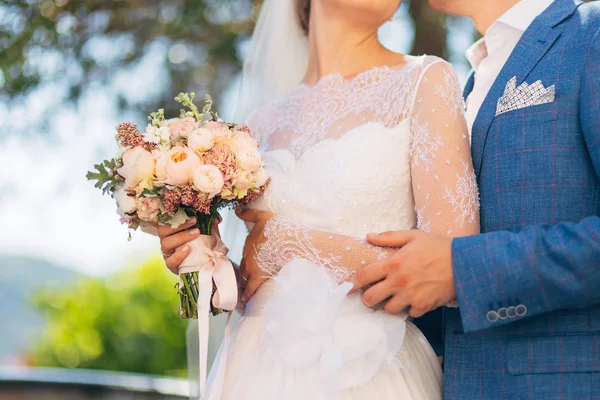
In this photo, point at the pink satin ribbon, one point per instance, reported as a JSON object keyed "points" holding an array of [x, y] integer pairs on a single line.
{"points": [[208, 257]]}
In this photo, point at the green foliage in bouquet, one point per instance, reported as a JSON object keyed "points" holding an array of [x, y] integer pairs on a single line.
{"points": [[125, 322], [105, 176]]}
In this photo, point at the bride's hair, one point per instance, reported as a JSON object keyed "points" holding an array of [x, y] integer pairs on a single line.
{"points": [[303, 11]]}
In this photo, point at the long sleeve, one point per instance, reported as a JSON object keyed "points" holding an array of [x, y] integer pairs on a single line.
{"points": [[444, 184], [444, 187], [542, 268], [341, 255]]}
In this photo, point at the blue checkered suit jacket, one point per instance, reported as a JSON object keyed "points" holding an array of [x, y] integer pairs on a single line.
{"points": [[529, 286]]}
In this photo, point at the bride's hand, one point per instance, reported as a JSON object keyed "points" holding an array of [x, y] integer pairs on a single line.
{"points": [[252, 276], [172, 242]]}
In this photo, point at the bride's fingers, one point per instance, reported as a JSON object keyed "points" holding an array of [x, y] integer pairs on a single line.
{"points": [[396, 304], [176, 258], [368, 275], [377, 293], [252, 285], [170, 243], [247, 214], [166, 230]]}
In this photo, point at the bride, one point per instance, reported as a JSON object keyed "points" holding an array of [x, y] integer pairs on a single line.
{"points": [[357, 139]]}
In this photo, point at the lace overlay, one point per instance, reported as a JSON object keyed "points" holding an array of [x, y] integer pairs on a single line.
{"points": [[340, 255], [386, 150]]}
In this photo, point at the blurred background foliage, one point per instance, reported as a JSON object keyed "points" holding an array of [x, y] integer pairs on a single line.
{"points": [[197, 39], [124, 322]]}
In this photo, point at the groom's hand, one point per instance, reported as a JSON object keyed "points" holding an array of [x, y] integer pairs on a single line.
{"points": [[419, 275]]}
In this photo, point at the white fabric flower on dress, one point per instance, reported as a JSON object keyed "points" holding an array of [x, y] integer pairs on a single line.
{"points": [[312, 324]]}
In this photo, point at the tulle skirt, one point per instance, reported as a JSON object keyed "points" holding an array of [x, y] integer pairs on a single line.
{"points": [[303, 337]]}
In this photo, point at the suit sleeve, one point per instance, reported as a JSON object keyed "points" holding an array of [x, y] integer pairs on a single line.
{"points": [[502, 277]]}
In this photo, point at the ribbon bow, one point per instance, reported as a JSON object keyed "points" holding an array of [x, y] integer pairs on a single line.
{"points": [[208, 257]]}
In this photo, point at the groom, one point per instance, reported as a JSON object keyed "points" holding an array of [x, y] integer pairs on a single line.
{"points": [[528, 287]]}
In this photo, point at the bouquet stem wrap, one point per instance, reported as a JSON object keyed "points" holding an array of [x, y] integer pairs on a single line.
{"points": [[214, 276]]}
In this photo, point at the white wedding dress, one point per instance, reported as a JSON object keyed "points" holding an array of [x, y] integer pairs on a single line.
{"points": [[386, 150]]}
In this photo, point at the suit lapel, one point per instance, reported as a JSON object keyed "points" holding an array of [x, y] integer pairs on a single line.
{"points": [[534, 44], [470, 85]]}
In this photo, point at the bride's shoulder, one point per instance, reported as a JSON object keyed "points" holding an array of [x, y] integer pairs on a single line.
{"points": [[435, 70], [427, 63]]}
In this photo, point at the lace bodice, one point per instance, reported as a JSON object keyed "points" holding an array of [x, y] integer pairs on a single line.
{"points": [[385, 150]]}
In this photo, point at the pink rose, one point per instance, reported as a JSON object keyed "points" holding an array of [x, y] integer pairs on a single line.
{"points": [[208, 179], [220, 130], [148, 208], [175, 167], [182, 127], [201, 140], [138, 166]]}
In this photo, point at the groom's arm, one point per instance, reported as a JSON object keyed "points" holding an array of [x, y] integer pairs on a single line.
{"points": [[543, 268]]}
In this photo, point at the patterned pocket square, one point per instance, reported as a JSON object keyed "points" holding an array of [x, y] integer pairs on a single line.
{"points": [[525, 95]]}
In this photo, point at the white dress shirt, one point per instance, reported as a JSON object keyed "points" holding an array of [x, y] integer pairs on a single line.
{"points": [[488, 55]]}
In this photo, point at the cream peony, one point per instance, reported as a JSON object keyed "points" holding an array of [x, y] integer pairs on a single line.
{"points": [[175, 167], [243, 180], [248, 159], [220, 131], [138, 166], [260, 177], [208, 179], [242, 140], [201, 140]]}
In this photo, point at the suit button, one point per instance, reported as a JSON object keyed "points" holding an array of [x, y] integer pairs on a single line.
{"points": [[502, 313], [511, 312], [492, 316], [521, 310]]}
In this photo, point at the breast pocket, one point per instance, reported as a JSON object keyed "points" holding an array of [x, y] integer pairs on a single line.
{"points": [[554, 354]]}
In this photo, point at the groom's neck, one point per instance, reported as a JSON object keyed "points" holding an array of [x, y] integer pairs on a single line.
{"points": [[485, 13]]}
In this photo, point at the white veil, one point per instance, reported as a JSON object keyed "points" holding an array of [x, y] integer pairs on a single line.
{"points": [[277, 59], [275, 64]]}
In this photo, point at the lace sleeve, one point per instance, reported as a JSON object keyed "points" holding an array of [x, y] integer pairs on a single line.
{"points": [[444, 184], [341, 255]]}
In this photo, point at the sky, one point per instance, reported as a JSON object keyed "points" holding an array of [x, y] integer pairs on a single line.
{"points": [[49, 210]]}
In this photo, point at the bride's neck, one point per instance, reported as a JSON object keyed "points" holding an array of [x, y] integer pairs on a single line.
{"points": [[336, 46]]}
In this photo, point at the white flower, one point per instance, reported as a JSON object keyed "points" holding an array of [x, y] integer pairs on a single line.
{"points": [[208, 179], [156, 135], [125, 204], [138, 166]]}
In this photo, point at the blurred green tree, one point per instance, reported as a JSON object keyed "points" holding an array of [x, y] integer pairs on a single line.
{"points": [[125, 322], [199, 41]]}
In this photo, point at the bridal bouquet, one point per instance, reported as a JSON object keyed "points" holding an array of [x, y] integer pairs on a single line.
{"points": [[191, 166]]}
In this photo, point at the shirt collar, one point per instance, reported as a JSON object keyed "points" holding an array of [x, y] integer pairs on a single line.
{"points": [[522, 14], [519, 17]]}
